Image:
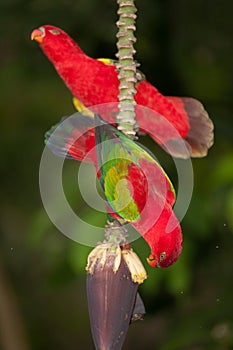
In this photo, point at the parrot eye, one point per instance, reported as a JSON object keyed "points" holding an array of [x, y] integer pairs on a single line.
{"points": [[55, 32], [162, 256]]}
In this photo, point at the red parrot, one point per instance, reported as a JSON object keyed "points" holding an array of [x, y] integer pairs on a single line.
{"points": [[93, 82], [137, 189]]}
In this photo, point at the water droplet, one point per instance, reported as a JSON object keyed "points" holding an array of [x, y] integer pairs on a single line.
{"points": [[217, 300], [217, 246]]}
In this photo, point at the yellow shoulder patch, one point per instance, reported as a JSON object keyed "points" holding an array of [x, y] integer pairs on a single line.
{"points": [[81, 108], [107, 61]]}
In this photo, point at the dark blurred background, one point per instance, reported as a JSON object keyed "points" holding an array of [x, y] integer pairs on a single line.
{"points": [[185, 48]]}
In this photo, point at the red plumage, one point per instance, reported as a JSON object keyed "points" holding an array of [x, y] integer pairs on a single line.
{"points": [[166, 119]]}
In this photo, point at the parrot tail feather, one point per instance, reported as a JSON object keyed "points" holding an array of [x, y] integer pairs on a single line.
{"points": [[200, 136]]}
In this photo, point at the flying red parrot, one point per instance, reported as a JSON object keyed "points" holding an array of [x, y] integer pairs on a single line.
{"points": [[136, 188], [168, 120]]}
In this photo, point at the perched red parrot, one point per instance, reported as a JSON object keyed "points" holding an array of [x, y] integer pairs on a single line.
{"points": [[93, 82], [137, 189]]}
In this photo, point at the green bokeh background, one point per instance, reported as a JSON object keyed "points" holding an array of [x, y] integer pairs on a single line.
{"points": [[185, 48]]}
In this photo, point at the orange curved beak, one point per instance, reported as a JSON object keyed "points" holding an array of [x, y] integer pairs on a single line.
{"points": [[152, 261], [37, 35]]}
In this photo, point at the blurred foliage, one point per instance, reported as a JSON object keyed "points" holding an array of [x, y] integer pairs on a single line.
{"points": [[185, 48]]}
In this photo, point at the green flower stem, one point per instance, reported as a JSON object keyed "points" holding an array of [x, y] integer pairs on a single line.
{"points": [[126, 67]]}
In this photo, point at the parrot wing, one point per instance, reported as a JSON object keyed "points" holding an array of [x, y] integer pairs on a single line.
{"points": [[73, 138], [126, 169], [200, 134], [126, 172]]}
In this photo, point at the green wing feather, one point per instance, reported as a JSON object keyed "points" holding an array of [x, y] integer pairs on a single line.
{"points": [[115, 153], [117, 191]]}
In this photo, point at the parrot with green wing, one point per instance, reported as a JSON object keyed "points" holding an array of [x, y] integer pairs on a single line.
{"points": [[137, 189]]}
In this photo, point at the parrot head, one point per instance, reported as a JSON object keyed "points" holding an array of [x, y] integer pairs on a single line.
{"points": [[55, 42], [165, 249]]}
